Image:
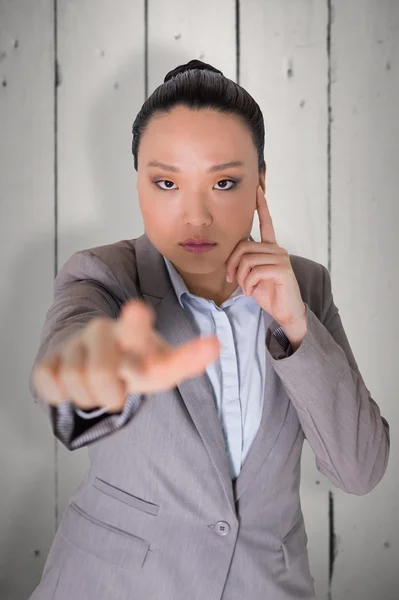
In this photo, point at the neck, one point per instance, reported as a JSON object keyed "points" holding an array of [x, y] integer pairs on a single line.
{"points": [[212, 286]]}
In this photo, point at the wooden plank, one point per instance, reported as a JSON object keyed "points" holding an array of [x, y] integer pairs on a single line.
{"points": [[26, 272], [365, 216], [100, 54], [186, 29], [284, 66]]}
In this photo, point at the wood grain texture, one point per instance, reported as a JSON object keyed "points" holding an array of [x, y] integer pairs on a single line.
{"points": [[27, 502], [365, 216]]}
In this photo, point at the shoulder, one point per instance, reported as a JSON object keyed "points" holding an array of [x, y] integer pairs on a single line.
{"points": [[112, 266]]}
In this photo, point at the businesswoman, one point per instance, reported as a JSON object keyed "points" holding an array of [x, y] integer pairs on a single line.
{"points": [[193, 362]]}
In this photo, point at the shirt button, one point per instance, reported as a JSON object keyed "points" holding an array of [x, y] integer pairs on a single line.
{"points": [[222, 528]]}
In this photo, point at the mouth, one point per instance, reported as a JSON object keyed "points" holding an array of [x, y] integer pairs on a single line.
{"points": [[197, 248], [198, 240]]}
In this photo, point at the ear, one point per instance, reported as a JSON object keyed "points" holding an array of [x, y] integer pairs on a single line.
{"points": [[262, 181]]}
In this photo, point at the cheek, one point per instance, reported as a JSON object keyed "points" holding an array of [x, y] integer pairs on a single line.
{"points": [[158, 211], [149, 205], [156, 219], [239, 213]]}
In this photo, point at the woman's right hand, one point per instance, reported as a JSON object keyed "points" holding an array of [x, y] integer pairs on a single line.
{"points": [[111, 358]]}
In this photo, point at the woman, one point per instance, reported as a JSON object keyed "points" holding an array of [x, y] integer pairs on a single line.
{"points": [[194, 372]]}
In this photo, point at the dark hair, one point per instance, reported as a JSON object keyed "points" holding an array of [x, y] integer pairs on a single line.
{"points": [[200, 85]]}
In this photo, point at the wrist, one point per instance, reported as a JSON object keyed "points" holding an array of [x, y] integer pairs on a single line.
{"points": [[296, 332]]}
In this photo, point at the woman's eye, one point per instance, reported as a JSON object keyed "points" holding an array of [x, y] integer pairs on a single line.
{"points": [[224, 181], [165, 181]]}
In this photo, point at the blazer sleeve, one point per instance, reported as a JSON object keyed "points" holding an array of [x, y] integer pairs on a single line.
{"points": [[85, 288], [340, 419]]}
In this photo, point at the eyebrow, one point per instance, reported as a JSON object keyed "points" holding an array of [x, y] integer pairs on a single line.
{"points": [[220, 167]]}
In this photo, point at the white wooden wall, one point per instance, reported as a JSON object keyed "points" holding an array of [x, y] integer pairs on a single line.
{"points": [[326, 75]]}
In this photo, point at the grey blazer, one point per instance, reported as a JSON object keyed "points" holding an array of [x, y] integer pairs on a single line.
{"points": [[157, 515]]}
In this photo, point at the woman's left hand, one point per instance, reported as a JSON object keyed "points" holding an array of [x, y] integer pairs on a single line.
{"points": [[263, 270]]}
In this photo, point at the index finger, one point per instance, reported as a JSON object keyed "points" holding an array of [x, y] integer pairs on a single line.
{"points": [[182, 362], [267, 233]]}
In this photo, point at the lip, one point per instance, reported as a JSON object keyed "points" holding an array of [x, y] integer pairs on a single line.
{"points": [[198, 248], [198, 242]]}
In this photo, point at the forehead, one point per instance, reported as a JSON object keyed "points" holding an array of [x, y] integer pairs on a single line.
{"points": [[198, 132]]}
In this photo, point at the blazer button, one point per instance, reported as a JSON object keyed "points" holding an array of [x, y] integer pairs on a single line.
{"points": [[222, 528]]}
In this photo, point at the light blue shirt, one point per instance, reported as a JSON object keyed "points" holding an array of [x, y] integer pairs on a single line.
{"points": [[238, 376]]}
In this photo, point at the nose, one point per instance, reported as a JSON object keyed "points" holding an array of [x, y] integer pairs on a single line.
{"points": [[195, 209]]}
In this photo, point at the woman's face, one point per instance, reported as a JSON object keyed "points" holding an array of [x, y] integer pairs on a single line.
{"points": [[187, 196]]}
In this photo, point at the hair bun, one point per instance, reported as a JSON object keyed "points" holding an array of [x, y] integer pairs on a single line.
{"points": [[193, 64]]}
